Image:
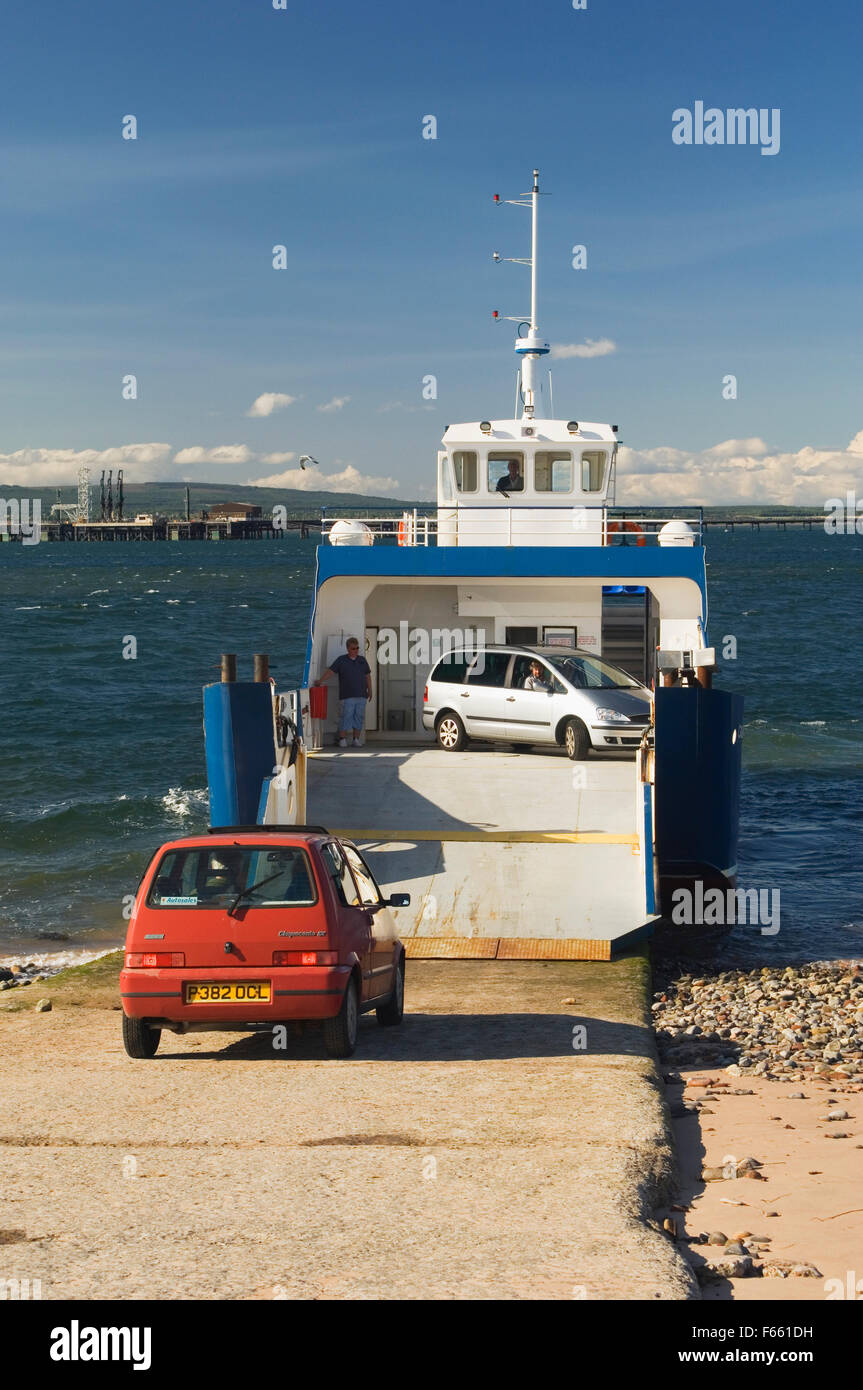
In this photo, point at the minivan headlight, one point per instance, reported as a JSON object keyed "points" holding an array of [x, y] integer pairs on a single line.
{"points": [[611, 716]]}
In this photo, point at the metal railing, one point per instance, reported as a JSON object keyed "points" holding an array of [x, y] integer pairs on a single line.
{"points": [[507, 526]]}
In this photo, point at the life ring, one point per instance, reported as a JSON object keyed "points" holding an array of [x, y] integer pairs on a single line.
{"points": [[403, 531], [618, 526]]}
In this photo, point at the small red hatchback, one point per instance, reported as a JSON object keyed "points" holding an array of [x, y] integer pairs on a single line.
{"points": [[255, 927]]}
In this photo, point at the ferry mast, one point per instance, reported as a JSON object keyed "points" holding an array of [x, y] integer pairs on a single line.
{"points": [[530, 347]]}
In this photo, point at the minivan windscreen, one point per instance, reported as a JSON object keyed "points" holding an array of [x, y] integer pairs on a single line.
{"points": [[589, 673], [217, 876]]}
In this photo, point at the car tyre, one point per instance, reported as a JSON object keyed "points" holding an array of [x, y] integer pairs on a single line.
{"points": [[340, 1033], [576, 740], [139, 1039], [450, 733], [390, 1014]]}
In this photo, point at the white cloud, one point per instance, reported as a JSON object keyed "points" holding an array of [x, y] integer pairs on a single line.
{"points": [[316, 480], [277, 458], [599, 347], [337, 403], [269, 402], [59, 466], [739, 470], [400, 405], [223, 453]]}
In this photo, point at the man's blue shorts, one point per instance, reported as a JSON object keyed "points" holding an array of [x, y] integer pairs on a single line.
{"points": [[353, 715]]}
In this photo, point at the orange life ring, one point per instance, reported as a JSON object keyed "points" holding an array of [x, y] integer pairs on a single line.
{"points": [[403, 532], [616, 526]]}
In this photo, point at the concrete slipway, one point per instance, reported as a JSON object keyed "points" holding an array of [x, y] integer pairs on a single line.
{"points": [[471, 1154]]}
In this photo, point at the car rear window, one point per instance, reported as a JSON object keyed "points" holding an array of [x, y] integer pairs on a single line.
{"points": [[451, 668], [216, 876]]}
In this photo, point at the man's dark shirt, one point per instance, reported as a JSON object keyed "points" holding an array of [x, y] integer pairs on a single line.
{"points": [[352, 674], [508, 484]]}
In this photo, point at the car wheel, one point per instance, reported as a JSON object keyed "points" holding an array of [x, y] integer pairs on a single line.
{"points": [[340, 1033], [393, 1011], [451, 733], [139, 1039], [576, 740]]}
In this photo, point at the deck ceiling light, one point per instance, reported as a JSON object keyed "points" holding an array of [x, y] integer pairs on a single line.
{"points": [[572, 426], [485, 426]]}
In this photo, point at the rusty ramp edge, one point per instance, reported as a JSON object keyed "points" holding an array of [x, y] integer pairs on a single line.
{"points": [[504, 948]]}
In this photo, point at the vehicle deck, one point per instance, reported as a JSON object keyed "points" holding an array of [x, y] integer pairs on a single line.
{"points": [[506, 855]]}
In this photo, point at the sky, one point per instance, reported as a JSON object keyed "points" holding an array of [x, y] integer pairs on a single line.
{"points": [[302, 127]]}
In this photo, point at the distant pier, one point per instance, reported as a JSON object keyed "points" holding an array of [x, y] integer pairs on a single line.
{"points": [[221, 529]]}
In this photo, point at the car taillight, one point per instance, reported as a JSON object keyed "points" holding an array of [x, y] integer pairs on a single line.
{"points": [[305, 957], [426, 695], [137, 960]]}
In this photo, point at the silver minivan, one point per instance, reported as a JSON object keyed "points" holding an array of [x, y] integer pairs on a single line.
{"points": [[551, 695]]}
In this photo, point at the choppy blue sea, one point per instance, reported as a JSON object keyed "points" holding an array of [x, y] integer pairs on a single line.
{"points": [[102, 758]]}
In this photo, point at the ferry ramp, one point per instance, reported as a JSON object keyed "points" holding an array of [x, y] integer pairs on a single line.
{"points": [[505, 855]]}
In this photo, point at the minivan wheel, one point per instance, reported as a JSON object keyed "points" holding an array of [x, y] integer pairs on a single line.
{"points": [[576, 740], [393, 1011], [450, 733], [139, 1039], [340, 1033]]}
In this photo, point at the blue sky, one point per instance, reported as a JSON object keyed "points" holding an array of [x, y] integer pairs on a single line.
{"points": [[304, 127]]}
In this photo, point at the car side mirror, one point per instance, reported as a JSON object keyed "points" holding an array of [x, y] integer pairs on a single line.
{"points": [[399, 900]]}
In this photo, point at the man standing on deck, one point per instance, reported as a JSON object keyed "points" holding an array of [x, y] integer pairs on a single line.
{"points": [[355, 690]]}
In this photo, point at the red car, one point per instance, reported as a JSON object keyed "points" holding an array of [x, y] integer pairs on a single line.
{"points": [[250, 928]]}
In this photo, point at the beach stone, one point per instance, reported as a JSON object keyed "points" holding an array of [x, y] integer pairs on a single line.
{"points": [[734, 1247], [735, 1267], [43, 1006], [5, 973], [835, 1115], [806, 1271], [717, 1238]]}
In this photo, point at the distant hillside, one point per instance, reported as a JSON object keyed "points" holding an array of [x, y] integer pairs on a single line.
{"points": [[169, 498]]}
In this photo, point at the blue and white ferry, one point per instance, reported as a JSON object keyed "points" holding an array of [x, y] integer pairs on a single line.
{"points": [[506, 854]]}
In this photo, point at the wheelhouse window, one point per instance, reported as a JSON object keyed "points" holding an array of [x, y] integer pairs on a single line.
{"points": [[552, 472], [506, 472], [258, 875], [466, 470], [445, 480], [593, 470]]}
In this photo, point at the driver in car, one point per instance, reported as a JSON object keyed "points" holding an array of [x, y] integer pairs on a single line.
{"points": [[535, 680]]}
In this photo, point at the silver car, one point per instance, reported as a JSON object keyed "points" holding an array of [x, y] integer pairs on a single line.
{"points": [[552, 695]]}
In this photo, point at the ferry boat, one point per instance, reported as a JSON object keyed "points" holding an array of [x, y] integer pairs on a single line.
{"points": [[506, 854]]}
